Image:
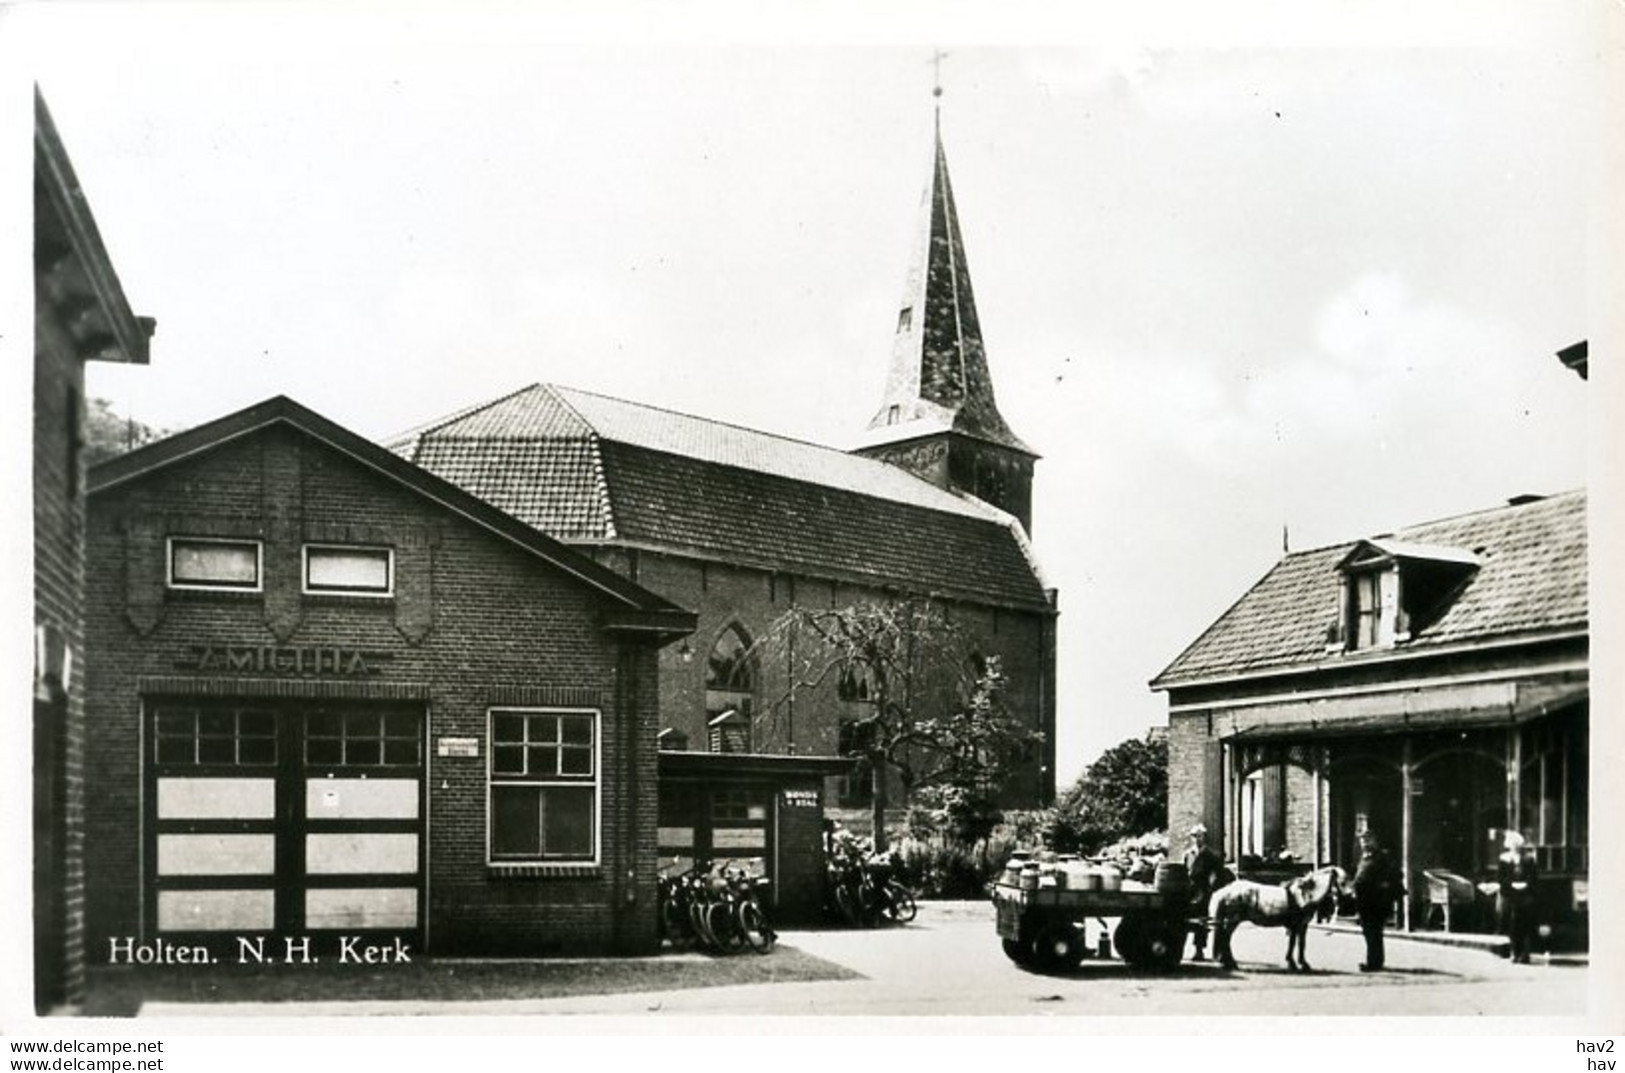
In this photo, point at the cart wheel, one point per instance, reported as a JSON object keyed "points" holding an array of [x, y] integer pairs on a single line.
{"points": [[1020, 953], [1145, 941], [1133, 945], [1165, 945], [1058, 947]]}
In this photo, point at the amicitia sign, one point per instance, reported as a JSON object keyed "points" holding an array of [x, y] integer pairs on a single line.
{"points": [[305, 660]]}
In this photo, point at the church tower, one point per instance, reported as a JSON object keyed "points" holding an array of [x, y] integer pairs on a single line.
{"points": [[938, 418]]}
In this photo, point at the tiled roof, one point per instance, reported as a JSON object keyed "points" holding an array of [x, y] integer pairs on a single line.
{"points": [[556, 486], [1531, 579], [586, 467]]}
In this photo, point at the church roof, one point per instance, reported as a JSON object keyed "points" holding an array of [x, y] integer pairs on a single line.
{"points": [[1529, 581], [938, 379], [588, 468]]}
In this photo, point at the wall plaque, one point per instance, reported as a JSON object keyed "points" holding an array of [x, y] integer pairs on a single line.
{"points": [[469, 747]]}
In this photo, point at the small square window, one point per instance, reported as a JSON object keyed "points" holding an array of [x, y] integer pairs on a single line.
{"points": [[196, 563], [349, 571]]}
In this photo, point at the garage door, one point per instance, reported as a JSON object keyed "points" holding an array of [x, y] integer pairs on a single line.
{"points": [[284, 818]]}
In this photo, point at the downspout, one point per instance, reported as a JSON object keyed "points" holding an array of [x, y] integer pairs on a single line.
{"points": [[1405, 829]]}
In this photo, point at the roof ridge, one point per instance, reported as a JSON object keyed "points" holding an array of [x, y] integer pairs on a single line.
{"points": [[1394, 534], [698, 417], [1565, 494], [780, 437]]}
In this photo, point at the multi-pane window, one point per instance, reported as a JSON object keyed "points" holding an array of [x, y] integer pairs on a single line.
{"points": [[362, 737], [207, 563], [1552, 791], [1366, 608], [544, 785], [350, 571], [215, 735], [732, 803]]}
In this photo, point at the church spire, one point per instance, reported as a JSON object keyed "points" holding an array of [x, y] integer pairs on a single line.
{"points": [[938, 398], [939, 373]]}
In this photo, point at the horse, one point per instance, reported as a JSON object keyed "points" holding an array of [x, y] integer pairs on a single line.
{"points": [[1289, 905]]}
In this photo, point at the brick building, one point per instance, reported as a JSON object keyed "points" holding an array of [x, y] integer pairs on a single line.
{"points": [[741, 525], [336, 696], [1431, 684], [80, 315]]}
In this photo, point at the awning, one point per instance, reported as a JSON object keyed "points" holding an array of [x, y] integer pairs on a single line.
{"points": [[1414, 722]]}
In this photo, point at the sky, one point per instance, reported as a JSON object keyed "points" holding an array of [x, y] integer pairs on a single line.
{"points": [[1241, 288]]}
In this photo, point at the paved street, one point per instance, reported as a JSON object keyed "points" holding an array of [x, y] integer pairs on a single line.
{"points": [[949, 962]]}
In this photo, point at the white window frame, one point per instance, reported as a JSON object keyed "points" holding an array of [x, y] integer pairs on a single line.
{"points": [[387, 592], [214, 586], [596, 782]]}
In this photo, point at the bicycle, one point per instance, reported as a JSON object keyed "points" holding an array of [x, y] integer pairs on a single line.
{"points": [[887, 896], [749, 916]]}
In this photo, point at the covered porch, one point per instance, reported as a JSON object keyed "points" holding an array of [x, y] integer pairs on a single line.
{"points": [[1439, 789]]}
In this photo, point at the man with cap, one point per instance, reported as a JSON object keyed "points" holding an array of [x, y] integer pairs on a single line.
{"points": [[1207, 873], [1377, 886], [1516, 872]]}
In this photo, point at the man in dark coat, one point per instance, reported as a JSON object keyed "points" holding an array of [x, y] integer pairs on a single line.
{"points": [[1377, 886], [1207, 873], [1516, 872]]}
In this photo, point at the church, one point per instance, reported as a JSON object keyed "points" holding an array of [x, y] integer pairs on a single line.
{"points": [[740, 525]]}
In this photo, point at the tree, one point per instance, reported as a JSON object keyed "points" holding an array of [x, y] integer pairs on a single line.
{"points": [[933, 704], [1122, 794], [108, 433]]}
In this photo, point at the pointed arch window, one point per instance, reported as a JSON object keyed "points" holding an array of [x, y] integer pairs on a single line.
{"points": [[730, 687]]}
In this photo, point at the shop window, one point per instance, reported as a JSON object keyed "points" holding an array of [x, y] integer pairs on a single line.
{"points": [[207, 563], [362, 738], [188, 736], [544, 785], [1552, 793], [349, 571]]}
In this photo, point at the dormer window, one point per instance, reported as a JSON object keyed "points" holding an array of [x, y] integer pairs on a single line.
{"points": [[1392, 590]]}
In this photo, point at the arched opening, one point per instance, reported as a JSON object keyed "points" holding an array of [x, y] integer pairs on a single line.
{"points": [[730, 691], [1458, 807], [1365, 794]]}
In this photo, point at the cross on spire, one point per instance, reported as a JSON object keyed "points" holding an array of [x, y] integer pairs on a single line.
{"points": [[937, 56]]}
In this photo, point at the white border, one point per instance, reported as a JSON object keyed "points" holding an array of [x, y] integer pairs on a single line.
{"points": [[386, 593], [190, 586]]}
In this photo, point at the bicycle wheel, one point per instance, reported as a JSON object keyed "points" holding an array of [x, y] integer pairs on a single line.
{"points": [[851, 911], [869, 908], [753, 925], [724, 926], [901, 903], [674, 925], [697, 914]]}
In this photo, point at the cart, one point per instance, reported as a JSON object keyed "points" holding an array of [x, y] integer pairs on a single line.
{"points": [[1042, 928]]}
